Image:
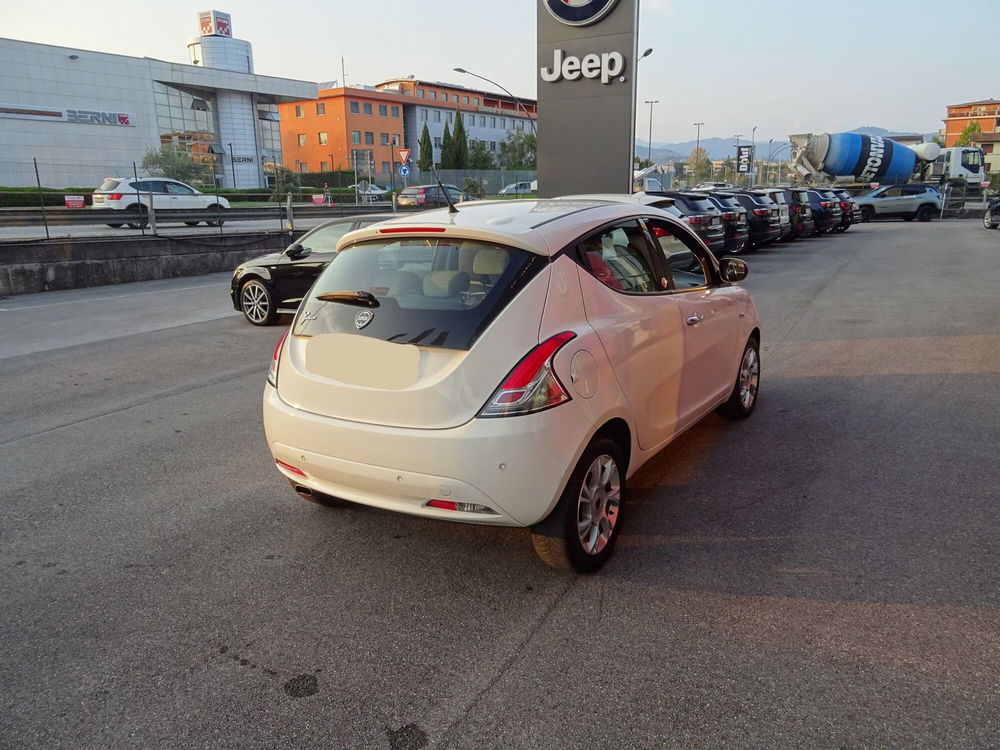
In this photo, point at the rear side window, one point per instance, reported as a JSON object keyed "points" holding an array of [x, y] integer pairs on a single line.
{"points": [[779, 198], [108, 185], [428, 291], [618, 258]]}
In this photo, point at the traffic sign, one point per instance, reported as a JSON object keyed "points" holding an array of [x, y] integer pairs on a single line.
{"points": [[404, 170], [403, 154]]}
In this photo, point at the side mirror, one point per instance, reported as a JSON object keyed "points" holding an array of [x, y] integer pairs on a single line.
{"points": [[295, 251], [733, 270]]}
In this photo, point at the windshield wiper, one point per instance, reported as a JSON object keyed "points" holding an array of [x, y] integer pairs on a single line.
{"points": [[359, 298]]}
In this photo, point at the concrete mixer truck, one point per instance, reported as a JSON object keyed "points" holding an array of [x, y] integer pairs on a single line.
{"points": [[852, 159]]}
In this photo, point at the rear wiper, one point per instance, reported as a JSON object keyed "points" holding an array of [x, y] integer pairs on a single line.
{"points": [[359, 299]]}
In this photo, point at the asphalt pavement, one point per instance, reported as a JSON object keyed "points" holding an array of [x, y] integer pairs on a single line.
{"points": [[825, 574]]}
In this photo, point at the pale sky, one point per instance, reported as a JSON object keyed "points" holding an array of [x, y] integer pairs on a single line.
{"points": [[785, 67]]}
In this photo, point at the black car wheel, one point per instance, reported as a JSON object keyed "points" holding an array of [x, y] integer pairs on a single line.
{"points": [[908, 218], [114, 226], [217, 209], [143, 215], [925, 213], [867, 213], [257, 303], [988, 220], [581, 531], [192, 223]]}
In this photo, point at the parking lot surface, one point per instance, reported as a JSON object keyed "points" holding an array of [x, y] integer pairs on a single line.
{"points": [[825, 574]]}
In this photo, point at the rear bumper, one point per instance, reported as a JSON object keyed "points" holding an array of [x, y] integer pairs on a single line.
{"points": [[764, 235], [804, 227], [516, 466]]}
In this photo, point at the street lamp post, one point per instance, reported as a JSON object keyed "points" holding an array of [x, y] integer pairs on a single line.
{"points": [[232, 163], [517, 101], [649, 145], [697, 147]]}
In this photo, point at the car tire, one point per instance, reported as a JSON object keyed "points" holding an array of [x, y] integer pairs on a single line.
{"points": [[867, 213], [908, 218], [143, 215], [114, 226], [581, 531], [216, 222], [743, 399], [986, 220], [257, 303], [925, 213], [192, 223]]}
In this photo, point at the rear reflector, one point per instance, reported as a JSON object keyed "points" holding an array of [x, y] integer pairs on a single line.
{"points": [[460, 507], [404, 230], [291, 469]]}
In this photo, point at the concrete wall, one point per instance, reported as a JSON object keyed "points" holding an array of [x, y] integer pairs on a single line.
{"points": [[26, 268]]}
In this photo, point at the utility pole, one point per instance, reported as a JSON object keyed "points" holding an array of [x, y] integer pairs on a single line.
{"points": [[649, 146], [697, 147]]}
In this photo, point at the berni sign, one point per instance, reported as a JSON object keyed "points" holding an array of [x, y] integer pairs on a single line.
{"points": [[586, 96], [744, 158]]}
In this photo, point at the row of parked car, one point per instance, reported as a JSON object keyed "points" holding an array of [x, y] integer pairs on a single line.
{"points": [[732, 221]]}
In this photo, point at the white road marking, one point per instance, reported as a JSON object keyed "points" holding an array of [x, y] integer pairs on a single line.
{"points": [[105, 299]]}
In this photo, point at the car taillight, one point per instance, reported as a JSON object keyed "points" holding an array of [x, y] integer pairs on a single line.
{"points": [[115, 196], [532, 385], [796, 209], [843, 205], [825, 204], [697, 219], [760, 212], [729, 216], [272, 371], [660, 232]]}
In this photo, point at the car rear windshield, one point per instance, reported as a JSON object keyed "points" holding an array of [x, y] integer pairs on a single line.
{"points": [[108, 185], [763, 200], [411, 191], [703, 205], [426, 291], [778, 197], [727, 201]]}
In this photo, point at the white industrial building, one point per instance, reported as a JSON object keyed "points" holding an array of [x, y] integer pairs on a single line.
{"points": [[84, 115]]}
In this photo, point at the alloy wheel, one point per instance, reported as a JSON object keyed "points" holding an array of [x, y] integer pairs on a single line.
{"points": [[256, 305], [749, 377], [598, 504]]}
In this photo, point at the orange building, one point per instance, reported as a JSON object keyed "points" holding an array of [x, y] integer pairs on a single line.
{"points": [[365, 125], [985, 112]]}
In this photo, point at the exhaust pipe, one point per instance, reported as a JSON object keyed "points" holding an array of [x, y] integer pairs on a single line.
{"points": [[304, 491]]}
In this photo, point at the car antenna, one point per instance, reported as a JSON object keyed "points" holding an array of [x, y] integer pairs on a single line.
{"points": [[447, 197]]}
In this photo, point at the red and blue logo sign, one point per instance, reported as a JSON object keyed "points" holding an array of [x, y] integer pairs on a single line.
{"points": [[579, 12]]}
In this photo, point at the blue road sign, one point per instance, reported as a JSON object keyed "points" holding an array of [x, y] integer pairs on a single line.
{"points": [[404, 170]]}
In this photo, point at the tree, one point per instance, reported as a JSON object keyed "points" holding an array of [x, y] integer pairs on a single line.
{"points": [[447, 150], [938, 140], [965, 139], [173, 163], [519, 150], [460, 143], [641, 163], [426, 159], [480, 156], [700, 166]]}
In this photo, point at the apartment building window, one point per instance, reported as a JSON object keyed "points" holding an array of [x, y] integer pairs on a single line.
{"points": [[420, 93], [434, 95], [355, 136], [451, 116], [493, 122], [503, 123], [324, 166], [298, 111], [423, 114], [437, 141], [482, 121], [302, 139], [465, 100], [475, 100], [385, 166], [437, 115], [322, 139], [383, 139], [355, 108], [383, 110], [320, 109], [369, 138], [368, 108], [493, 146], [395, 139], [395, 111], [303, 167]]}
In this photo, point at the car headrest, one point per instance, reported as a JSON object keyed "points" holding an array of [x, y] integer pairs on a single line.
{"points": [[490, 262], [445, 283], [404, 283]]}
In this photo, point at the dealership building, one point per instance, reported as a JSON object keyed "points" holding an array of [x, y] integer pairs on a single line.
{"points": [[85, 115]]}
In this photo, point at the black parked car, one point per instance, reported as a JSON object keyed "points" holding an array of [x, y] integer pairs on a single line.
{"points": [[800, 212], [763, 216], [849, 208], [991, 219], [703, 216], [734, 221], [826, 209], [273, 284]]}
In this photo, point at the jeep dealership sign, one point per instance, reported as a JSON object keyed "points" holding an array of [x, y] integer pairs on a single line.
{"points": [[586, 95]]}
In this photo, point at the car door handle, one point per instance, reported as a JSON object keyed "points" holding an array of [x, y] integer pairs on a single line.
{"points": [[695, 318]]}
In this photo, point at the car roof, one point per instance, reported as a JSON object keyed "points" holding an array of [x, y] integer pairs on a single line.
{"points": [[540, 226], [642, 198]]}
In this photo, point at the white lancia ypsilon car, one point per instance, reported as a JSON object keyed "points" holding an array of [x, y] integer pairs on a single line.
{"points": [[512, 363]]}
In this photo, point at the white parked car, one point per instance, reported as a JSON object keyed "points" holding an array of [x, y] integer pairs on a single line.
{"points": [[510, 364], [134, 195], [519, 188]]}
